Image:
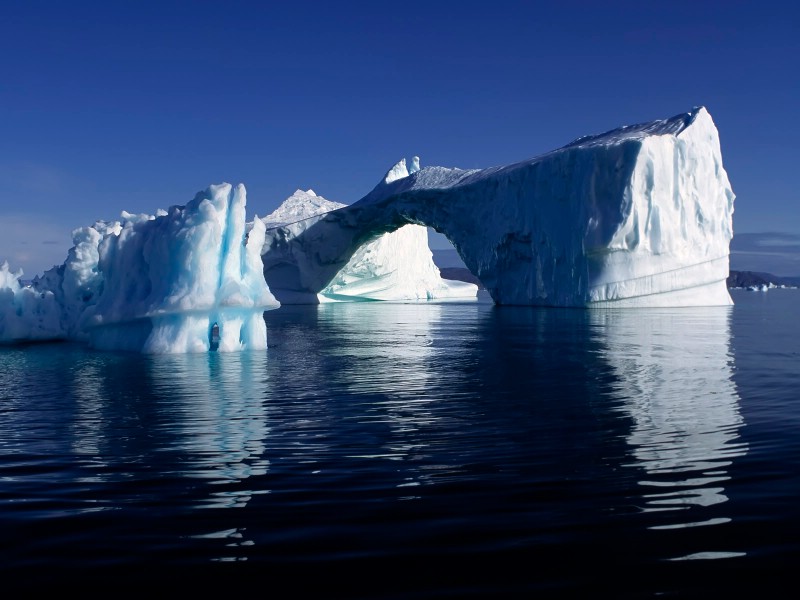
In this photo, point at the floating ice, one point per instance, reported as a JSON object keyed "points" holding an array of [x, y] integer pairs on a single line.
{"points": [[393, 266], [169, 280], [637, 216], [184, 280]]}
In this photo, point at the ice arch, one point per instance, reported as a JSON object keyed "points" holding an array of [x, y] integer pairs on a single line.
{"points": [[637, 216], [396, 266]]}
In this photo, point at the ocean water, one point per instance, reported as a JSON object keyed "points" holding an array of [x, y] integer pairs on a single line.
{"points": [[416, 451]]}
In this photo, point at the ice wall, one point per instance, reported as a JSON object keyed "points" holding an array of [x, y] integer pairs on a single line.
{"points": [[394, 266], [637, 216], [185, 280], [169, 279]]}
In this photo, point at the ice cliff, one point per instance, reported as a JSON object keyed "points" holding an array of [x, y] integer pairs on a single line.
{"points": [[637, 216], [393, 266], [184, 280]]}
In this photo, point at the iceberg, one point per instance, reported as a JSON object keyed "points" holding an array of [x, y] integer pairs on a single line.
{"points": [[637, 216], [188, 279], [395, 266]]}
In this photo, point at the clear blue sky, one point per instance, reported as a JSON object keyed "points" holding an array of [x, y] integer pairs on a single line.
{"points": [[111, 106]]}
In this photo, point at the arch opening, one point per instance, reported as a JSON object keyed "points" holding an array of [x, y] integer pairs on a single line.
{"points": [[394, 265], [449, 261], [386, 260]]}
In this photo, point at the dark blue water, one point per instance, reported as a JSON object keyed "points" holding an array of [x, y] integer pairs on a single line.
{"points": [[416, 451]]}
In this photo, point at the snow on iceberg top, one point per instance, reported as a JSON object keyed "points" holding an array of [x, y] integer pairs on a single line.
{"points": [[444, 177], [300, 205], [303, 205], [672, 126]]}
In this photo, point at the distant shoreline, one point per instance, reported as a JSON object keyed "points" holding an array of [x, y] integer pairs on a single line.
{"points": [[754, 279]]}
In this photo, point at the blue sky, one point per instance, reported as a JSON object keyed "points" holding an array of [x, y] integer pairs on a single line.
{"points": [[111, 106]]}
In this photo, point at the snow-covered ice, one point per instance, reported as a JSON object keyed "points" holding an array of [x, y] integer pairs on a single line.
{"points": [[637, 216]]}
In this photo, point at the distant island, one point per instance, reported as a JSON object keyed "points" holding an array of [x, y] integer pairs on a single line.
{"points": [[757, 280]]}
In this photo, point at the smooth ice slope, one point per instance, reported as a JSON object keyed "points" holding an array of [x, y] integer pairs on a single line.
{"points": [[184, 280], [637, 216], [394, 266]]}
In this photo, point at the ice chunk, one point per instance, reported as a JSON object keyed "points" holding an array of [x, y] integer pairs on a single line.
{"points": [[399, 171], [638, 216], [169, 280], [185, 280]]}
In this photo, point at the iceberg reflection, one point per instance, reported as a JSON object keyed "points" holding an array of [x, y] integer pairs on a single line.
{"points": [[674, 381], [219, 417], [388, 350]]}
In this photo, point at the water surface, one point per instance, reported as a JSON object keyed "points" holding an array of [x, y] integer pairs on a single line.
{"points": [[440, 450]]}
